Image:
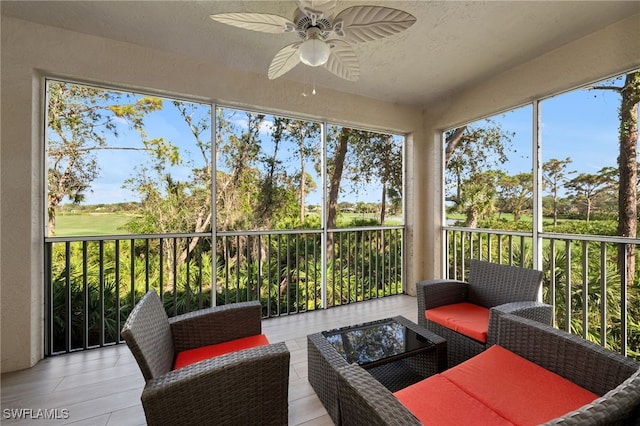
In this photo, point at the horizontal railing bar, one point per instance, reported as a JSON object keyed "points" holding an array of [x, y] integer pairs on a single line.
{"points": [[125, 237], [305, 231], [548, 235], [208, 234], [487, 231], [365, 228], [594, 238]]}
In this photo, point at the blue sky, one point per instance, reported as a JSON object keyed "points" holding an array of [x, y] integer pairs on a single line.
{"points": [[584, 126], [581, 124]]}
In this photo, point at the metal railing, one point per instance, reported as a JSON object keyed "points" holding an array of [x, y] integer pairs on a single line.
{"points": [[92, 283], [582, 278]]}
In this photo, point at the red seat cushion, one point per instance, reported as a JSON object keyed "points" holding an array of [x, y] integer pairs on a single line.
{"points": [[438, 401], [516, 388], [465, 318], [192, 356]]}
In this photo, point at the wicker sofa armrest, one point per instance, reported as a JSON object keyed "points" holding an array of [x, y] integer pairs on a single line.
{"points": [[216, 325], [364, 401], [574, 358], [235, 388], [536, 311], [618, 406]]}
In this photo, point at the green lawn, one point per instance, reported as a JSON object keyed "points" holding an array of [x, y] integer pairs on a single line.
{"points": [[91, 224], [84, 224], [344, 219]]}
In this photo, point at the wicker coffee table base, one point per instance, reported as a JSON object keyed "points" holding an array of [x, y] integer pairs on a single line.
{"points": [[324, 360]]}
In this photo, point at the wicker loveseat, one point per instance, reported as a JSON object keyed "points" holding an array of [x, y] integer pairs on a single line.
{"points": [[229, 374], [614, 379], [466, 313]]}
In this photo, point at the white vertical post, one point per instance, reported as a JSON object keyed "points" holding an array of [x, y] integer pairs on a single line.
{"points": [[214, 224], [323, 210], [537, 191]]}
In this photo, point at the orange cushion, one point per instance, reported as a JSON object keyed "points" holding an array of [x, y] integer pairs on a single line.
{"points": [[465, 318], [192, 356], [437, 401], [516, 388]]}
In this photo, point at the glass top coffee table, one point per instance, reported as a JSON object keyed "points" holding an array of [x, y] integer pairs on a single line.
{"points": [[396, 351], [377, 343]]}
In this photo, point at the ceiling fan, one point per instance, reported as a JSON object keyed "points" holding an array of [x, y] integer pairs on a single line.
{"points": [[325, 39]]}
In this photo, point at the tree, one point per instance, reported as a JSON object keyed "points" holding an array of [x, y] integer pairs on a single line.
{"points": [[336, 167], [627, 164], [361, 157], [586, 187], [237, 189], [377, 158], [167, 203], [554, 175], [305, 135], [478, 196], [269, 195], [79, 120], [171, 205], [469, 152], [516, 192]]}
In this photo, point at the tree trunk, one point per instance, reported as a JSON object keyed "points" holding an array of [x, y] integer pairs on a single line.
{"points": [[628, 165], [452, 142], [51, 223], [472, 217], [628, 168], [334, 187], [383, 203], [303, 180], [555, 206]]}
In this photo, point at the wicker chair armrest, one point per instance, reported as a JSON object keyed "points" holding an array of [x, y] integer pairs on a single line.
{"points": [[216, 325], [365, 401], [434, 293], [242, 387], [536, 311], [574, 358]]}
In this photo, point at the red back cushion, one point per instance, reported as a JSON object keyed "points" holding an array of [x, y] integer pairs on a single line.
{"points": [[465, 318], [516, 388], [192, 356]]}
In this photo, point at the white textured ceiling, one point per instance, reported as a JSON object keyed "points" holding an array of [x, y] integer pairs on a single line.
{"points": [[453, 44]]}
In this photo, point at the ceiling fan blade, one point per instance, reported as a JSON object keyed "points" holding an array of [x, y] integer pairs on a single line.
{"points": [[317, 9], [287, 58], [343, 60], [359, 24], [262, 22]]}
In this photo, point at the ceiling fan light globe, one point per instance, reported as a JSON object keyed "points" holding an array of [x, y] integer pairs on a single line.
{"points": [[314, 52]]}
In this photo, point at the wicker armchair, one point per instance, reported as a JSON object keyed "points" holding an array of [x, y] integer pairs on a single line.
{"points": [[243, 387], [363, 400], [501, 288]]}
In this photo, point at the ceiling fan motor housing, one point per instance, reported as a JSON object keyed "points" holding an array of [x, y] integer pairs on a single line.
{"points": [[304, 23]]}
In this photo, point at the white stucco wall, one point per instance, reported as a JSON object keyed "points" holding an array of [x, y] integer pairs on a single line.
{"points": [[31, 51]]}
